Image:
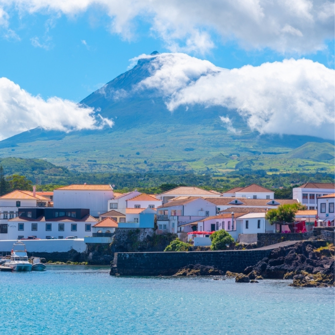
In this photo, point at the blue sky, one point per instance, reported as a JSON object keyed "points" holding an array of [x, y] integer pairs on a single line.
{"points": [[55, 53], [50, 58]]}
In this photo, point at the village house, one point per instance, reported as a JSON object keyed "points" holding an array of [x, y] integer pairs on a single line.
{"points": [[103, 231], [253, 191], [309, 193], [185, 191], [232, 202], [93, 197], [119, 202], [173, 214], [114, 215], [50, 223], [325, 211]]}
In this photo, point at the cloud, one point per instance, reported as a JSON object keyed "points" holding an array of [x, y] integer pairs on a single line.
{"points": [[35, 42], [20, 111], [229, 125], [288, 97], [287, 26]]}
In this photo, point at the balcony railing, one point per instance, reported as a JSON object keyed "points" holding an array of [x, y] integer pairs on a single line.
{"points": [[162, 218]]}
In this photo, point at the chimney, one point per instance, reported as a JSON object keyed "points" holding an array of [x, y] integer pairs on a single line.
{"points": [[34, 191]]}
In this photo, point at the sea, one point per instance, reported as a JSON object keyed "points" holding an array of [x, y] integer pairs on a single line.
{"points": [[87, 300]]}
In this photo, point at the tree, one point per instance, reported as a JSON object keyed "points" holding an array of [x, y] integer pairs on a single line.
{"points": [[3, 183], [17, 182], [284, 214], [220, 240], [178, 245]]}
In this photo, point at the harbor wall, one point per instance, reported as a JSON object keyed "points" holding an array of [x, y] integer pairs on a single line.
{"points": [[46, 246], [168, 263]]}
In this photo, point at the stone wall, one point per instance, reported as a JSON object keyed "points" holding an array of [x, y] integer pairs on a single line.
{"points": [[273, 238], [168, 263], [328, 236]]}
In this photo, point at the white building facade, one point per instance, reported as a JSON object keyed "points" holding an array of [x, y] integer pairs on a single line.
{"points": [[326, 208], [309, 193]]}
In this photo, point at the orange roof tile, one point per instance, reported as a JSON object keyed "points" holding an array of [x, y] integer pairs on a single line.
{"points": [[307, 212], [134, 210], [186, 190], [106, 223], [329, 196], [85, 187], [233, 190], [144, 197], [318, 185], [254, 188], [47, 193], [22, 195], [112, 213]]}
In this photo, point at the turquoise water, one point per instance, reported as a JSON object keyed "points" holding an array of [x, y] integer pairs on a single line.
{"points": [[86, 300]]}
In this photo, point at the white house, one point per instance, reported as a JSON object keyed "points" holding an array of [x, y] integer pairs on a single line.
{"points": [[93, 197], [11, 202], [253, 191], [114, 215], [326, 208], [185, 191], [173, 214], [253, 223], [144, 201], [232, 202], [308, 193], [119, 203], [102, 232], [50, 223]]}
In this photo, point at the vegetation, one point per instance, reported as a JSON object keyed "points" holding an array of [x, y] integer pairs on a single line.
{"points": [[178, 245], [284, 214], [13, 182], [221, 240]]}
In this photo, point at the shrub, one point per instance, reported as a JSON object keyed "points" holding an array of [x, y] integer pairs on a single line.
{"points": [[177, 245], [220, 240]]}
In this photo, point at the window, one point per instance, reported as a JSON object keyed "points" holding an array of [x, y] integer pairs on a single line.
{"points": [[29, 214], [176, 212], [87, 227], [48, 227], [212, 226], [164, 226], [207, 213], [232, 225], [267, 197], [20, 237], [5, 215], [11, 215], [160, 227], [319, 195], [56, 214], [73, 214], [73, 227], [20, 227], [305, 196], [60, 226], [68, 214], [311, 207], [34, 227], [137, 206], [254, 196], [3, 228], [323, 208], [312, 196], [164, 212], [60, 237], [136, 220], [228, 225], [122, 220], [247, 224], [151, 206], [18, 203], [258, 224], [113, 205], [217, 226], [61, 214], [331, 207]]}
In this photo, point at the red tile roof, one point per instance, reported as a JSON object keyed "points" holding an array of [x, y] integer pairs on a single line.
{"points": [[23, 195], [106, 223], [134, 210], [318, 185], [144, 197], [254, 188], [112, 213], [329, 196]]}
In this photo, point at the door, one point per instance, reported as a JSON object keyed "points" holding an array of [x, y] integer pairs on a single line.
{"points": [[213, 227]]}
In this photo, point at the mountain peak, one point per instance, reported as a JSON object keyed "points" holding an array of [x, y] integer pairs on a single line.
{"points": [[154, 53]]}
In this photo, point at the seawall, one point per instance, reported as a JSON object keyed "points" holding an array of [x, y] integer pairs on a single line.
{"points": [[168, 263]]}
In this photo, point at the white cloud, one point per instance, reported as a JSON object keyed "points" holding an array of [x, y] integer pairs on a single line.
{"points": [[289, 97], [35, 42], [284, 25], [20, 111], [229, 125]]}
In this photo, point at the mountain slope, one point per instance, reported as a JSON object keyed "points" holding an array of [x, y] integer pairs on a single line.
{"points": [[148, 137]]}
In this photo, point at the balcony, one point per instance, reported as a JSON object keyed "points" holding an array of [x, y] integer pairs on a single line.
{"points": [[162, 218]]}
